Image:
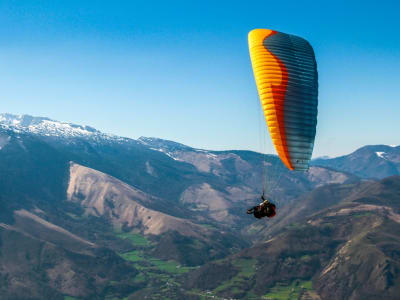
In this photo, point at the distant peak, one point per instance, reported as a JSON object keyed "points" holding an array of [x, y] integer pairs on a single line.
{"points": [[45, 126]]}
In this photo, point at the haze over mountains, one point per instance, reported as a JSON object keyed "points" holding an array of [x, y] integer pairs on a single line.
{"points": [[93, 216]]}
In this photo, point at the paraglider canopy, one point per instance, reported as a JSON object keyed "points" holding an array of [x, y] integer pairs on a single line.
{"points": [[287, 81]]}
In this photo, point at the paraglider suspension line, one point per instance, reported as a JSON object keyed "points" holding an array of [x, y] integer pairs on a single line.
{"points": [[262, 145]]}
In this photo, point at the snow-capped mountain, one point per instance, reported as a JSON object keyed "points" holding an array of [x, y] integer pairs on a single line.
{"points": [[47, 127], [44, 126], [377, 161]]}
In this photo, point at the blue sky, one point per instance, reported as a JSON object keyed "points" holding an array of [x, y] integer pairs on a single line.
{"points": [[180, 70]]}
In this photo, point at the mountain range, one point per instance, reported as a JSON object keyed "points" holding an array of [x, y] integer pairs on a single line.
{"points": [[90, 215], [378, 161]]}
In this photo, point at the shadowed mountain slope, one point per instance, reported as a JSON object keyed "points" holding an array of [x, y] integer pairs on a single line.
{"points": [[42, 261]]}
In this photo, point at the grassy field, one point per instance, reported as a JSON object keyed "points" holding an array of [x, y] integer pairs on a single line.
{"points": [[363, 214], [288, 292], [133, 256], [209, 226], [134, 238], [306, 258], [170, 266], [153, 272], [246, 266], [246, 269]]}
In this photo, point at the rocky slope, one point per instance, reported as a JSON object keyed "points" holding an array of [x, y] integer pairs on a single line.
{"points": [[124, 208], [104, 196]]}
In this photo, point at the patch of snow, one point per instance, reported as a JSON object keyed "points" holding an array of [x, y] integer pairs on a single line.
{"points": [[149, 169], [201, 150], [381, 154], [142, 141], [166, 153], [207, 153], [4, 141]]}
